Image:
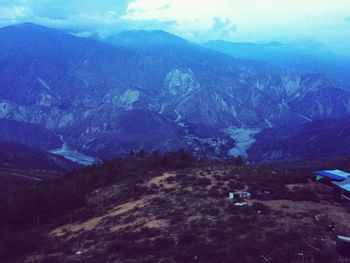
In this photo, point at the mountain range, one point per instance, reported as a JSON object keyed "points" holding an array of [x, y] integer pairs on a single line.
{"points": [[301, 57], [146, 147], [150, 90]]}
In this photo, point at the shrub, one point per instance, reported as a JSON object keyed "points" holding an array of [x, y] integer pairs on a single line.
{"points": [[12, 246], [212, 211], [234, 185], [186, 239], [150, 232], [170, 179], [176, 219], [138, 250], [129, 236], [213, 192], [302, 194], [162, 243], [118, 246], [207, 252], [203, 182], [218, 233], [264, 209]]}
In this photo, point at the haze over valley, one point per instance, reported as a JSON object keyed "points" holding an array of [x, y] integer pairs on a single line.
{"points": [[173, 131]]}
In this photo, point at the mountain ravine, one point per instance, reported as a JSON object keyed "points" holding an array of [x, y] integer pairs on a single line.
{"points": [[106, 99]]}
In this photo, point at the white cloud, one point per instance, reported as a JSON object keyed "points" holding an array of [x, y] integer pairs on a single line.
{"points": [[63, 13], [200, 20], [252, 20]]}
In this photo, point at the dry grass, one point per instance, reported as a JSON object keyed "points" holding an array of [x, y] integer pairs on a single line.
{"points": [[96, 221], [178, 206]]}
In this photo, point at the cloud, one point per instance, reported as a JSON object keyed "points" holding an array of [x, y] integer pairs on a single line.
{"points": [[254, 20], [198, 20], [69, 14], [223, 28]]}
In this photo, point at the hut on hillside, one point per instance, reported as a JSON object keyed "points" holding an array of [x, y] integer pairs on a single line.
{"points": [[338, 179]]}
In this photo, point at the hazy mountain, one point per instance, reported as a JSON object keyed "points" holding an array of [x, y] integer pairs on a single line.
{"points": [[32, 135], [108, 99], [134, 129], [21, 166], [313, 140], [307, 58], [19, 156], [144, 39]]}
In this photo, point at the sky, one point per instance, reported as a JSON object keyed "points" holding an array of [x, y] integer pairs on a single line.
{"points": [[288, 21]]}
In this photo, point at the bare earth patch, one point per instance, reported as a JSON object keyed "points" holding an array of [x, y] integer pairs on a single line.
{"points": [[94, 222]]}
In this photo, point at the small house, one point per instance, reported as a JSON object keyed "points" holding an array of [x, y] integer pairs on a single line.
{"points": [[245, 195], [343, 189], [338, 179]]}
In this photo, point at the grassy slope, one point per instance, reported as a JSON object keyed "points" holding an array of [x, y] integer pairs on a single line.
{"points": [[185, 216]]}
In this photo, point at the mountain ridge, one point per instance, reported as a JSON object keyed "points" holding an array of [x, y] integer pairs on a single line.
{"points": [[82, 90], [302, 58]]}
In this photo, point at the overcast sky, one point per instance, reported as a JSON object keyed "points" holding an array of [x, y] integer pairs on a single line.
{"points": [[326, 21]]}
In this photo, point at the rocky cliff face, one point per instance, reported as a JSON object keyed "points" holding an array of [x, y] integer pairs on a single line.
{"points": [[107, 100]]}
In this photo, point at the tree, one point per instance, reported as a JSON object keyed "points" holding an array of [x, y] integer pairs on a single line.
{"points": [[239, 161], [141, 154], [131, 154]]}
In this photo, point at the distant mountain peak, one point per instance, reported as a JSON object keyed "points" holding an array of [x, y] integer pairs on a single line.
{"points": [[148, 32], [246, 44], [28, 28], [27, 25], [146, 38]]}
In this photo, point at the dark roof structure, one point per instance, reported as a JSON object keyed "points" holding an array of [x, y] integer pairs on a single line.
{"points": [[336, 175]]}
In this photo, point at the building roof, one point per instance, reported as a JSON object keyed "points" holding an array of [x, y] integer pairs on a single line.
{"points": [[334, 174], [344, 239], [345, 184]]}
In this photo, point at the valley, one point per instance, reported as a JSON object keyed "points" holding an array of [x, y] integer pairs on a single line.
{"points": [[73, 155], [88, 90], [173, 131], [133, 147], [244, 138]]}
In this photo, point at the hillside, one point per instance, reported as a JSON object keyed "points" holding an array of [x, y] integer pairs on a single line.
{"points": [[20, 164], [313, 140], [32, 135], [173, 208]]}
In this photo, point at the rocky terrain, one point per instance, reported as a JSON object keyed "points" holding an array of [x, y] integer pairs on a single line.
{"points": [[179, 94], [173, 208]]}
